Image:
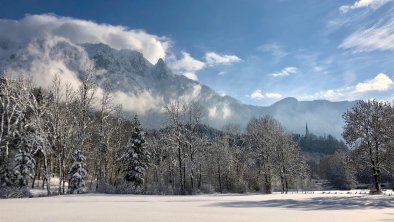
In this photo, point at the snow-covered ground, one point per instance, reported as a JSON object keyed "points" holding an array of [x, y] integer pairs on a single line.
{"points": [[343, 206]]}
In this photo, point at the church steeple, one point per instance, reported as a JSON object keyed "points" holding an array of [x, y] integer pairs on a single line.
{"points": [[306, 130]]}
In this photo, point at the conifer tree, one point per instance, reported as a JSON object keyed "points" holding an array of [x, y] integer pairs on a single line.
{"points": [[137, 156], [24, 163], [77, 173]]}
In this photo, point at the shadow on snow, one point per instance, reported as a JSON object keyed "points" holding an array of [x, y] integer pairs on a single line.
{"points": [[317, 203]]}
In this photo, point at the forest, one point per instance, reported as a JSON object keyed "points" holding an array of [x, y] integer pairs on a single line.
{"points": [[80, 137]]}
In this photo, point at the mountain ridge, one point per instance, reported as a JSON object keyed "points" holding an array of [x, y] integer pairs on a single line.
{"points": [[154, 85]]}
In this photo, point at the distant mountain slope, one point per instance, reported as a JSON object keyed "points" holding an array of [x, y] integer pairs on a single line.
{"points": [[322, 116], [154, 85], [129, 71]]}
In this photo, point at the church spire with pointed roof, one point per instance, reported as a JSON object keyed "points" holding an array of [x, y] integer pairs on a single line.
{"points": [[306, 130]]}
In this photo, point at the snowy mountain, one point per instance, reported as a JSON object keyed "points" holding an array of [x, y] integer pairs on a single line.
{"points": [[129, 71], [145, 88]]}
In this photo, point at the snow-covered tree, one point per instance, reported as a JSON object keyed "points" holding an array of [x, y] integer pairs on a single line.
{"points": [[77, 174], [368, 129], [289, 163], [24, 163], [260, 136], [37, 125], [137, 156], [12, 112], [275, 153], [82, 122], [176, 135], [221, 161], [338, 170], [193, 113], [104, 131], [60, 124]]}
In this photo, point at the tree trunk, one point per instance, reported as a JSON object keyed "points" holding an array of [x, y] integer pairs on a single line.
{"points": [[60, 174], [377, 180], [282, 183], [219, 178], [191, 171], [199, 176], [180, 169], [286, 185], [35, 176], [47, 175]]}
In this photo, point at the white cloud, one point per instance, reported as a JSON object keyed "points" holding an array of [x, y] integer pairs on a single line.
{"points": [[221, 111], [381, 82], [226, 111], [192, 94], [272, 95], [82, 31], [275, 49], [191, 75], [346, 93], [187, 65], [213, 58], [222, 93], [374, 4], [258, 95], [41, 61], [378, 37], [145, 101], [285, 72]]}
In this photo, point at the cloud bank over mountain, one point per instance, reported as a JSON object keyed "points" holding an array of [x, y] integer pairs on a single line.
{"points": [[44, 46], [80, 31]]}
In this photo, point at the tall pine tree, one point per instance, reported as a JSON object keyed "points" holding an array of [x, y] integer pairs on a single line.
{"points": [[137, 156], [24, 161], [78, 173]]}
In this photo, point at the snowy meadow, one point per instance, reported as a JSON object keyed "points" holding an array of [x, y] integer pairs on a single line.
{"points": [[349, 206]]}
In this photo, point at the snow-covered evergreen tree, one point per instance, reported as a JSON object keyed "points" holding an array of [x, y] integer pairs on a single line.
{"points": [[5, 173], [137, 156], [24, 163], [77, 173]]}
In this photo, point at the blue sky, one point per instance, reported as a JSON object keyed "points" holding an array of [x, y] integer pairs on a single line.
{"points": [[257, 51]]}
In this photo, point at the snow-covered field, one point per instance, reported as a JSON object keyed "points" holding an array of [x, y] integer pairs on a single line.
{"points": [[335, 206]]}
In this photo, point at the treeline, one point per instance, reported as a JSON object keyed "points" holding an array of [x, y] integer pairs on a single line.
{"points": [[74, 134], [320, 144], [78, 136], [189, 158]]}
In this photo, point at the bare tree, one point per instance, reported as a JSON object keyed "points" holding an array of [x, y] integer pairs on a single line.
{"points": [[289, 162], [37, 104], [175, 121], [368, 130], [118, 140], [193, 117], [82, 121], [338, 170], [60, 122], [104, 133], [260, 137]]}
